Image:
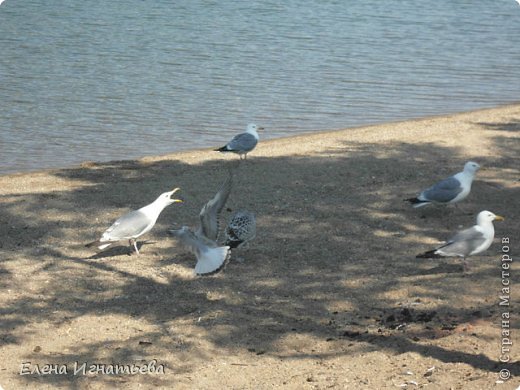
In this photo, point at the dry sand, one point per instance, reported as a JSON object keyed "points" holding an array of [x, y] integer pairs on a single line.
{"points": [[330, 294]]}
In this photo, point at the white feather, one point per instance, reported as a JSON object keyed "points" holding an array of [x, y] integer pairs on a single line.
{"points": [[211, 260]]}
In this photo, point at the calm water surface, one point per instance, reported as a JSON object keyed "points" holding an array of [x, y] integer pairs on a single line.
{"points": [[104, 80]]}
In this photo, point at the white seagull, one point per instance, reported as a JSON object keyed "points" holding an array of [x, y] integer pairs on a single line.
{"points": [[135, 223], [242, 143], [211, 258], [470, 241], [451, 190]]}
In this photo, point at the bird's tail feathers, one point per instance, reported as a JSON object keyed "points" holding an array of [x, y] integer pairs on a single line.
{"points": [[222, 149], [100, 244], [429, 255], [212, 260], [416, 202], [174, 232], [233, 243]]}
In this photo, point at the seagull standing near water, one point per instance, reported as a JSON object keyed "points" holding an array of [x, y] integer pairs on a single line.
{"points": [[211, 257], [470, 241], [242, 143], [135, 223], [451, 190]]}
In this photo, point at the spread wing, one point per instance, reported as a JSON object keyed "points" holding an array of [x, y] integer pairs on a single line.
{"points": [[210, 257], [210, 213], [443, 191], [191, 241]]}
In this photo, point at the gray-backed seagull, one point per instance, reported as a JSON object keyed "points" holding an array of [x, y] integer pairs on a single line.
{"points": [[470, 241], [242, 143], [135, 223], [451, 190]]}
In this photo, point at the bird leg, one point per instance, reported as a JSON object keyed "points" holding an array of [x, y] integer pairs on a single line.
{"points": [[465, 265], [133, 243], [448, 214], [460, 209]]}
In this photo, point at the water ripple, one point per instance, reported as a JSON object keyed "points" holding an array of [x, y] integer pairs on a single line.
{"points": [[105, 80]]}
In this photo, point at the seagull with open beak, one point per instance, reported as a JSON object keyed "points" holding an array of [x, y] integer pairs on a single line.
{"points": [[135, 223]]}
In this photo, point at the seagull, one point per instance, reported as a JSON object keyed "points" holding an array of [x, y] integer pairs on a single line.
{"points": [[241, 229], [242, 143], [468, 242], [451, 190], [210, 213], [135, 223], [203, 242]]}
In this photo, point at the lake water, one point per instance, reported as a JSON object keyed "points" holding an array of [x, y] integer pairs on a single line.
{"points": [[106, 80]]}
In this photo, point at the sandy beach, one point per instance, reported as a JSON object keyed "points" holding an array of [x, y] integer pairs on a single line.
{"points": [[328, 295]]}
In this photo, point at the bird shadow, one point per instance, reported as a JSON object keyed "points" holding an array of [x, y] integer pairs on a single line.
{"points": [[120, 250]]}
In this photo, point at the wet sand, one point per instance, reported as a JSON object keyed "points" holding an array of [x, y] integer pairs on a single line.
{"points": [[329, 295]]}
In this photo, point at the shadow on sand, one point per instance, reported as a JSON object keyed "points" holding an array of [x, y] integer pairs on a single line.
{"points": [[335, 250]]}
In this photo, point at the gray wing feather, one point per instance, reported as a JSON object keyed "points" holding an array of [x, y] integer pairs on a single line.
{"points": [[209, 215], [243, 142], [210, 257], [129, 225], [463, 243], [443, 191], [192, 242]]}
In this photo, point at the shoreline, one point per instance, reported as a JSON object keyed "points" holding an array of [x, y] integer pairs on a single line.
{"points": [[266, 141]]}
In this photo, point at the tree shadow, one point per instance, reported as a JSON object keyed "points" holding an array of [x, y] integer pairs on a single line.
{"points": [[513, 125], [334, 236]]}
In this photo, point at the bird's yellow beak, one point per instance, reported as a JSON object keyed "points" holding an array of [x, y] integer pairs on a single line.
{"points": [[176, 200], [499, 218]]}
